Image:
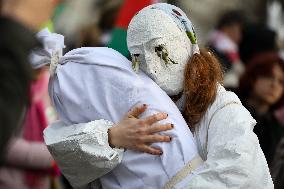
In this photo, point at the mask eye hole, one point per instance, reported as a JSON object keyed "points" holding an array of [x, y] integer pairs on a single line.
{"points": [[163, 54], [136, 55], [159, 48]]}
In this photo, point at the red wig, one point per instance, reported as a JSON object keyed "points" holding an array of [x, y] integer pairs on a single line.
{"points": [[202, 74]]}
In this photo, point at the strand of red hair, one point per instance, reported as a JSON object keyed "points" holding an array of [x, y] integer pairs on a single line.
{"points": [[202, 74]]}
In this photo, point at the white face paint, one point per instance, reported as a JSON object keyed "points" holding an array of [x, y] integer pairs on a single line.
{"points": [[148, 30]]}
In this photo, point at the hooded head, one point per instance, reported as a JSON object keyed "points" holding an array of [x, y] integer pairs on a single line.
{"points": [[161, 39]]}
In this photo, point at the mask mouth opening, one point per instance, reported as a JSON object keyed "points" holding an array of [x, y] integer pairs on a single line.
{"points": [[135, 62]]}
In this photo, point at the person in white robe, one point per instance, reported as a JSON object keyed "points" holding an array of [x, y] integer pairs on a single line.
{"points": [[99, 84], [158, 38]]}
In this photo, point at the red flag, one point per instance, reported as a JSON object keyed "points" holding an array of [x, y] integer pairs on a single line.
{"points": [[127, 11]]}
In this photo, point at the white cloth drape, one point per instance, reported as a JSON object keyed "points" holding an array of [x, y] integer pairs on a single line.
{"points": [[99, 83], [226, 140]]}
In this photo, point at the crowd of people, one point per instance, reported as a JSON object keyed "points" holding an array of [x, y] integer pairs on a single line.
{"points": [[159, 111]]}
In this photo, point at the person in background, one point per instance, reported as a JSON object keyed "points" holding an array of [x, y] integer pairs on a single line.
{"points": [[30, 13], [26, 158], [224, 42], [279, 114], [261, 90], [257, 38], [277, 166], [98, 34], [16, 42], [16, 76]]}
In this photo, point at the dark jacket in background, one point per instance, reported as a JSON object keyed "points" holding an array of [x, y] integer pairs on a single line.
{"points": [[16, 43], [269, 132]]}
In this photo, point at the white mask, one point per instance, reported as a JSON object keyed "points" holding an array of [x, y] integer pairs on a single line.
{"points": [[152, 34]]}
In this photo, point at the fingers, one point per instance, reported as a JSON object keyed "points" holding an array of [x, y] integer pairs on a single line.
{"points": [[150, 150], [136, 111], [149, 139], [154, 118], [158, 128]]}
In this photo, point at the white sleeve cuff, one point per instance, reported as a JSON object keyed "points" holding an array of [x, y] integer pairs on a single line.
{"points": [[82, 151]]}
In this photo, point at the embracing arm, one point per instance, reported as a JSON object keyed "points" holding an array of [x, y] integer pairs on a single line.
{"points": [[84, 151], [235, 159], [81, 151]]}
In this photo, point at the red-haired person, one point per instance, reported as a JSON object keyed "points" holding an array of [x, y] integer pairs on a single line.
{"points": [[261, 88]]}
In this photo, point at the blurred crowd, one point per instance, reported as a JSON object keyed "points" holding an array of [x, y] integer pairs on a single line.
{"points": [[251, 53]]}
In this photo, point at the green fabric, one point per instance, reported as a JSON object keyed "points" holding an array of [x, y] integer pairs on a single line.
{"points": [[118, 42], [58, 10]]}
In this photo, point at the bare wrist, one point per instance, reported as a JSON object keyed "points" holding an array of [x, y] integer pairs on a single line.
{"points": [[110, 136]]}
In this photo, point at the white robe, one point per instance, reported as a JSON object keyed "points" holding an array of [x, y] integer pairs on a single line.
{"points": [[233, 158], [99, 83], [231, 151]]}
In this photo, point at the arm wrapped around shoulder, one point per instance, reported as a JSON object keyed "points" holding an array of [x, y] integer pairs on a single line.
{"points": [[87, 142]]}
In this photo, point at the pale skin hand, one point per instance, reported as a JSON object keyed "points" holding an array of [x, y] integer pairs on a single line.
{"points": [[139, 134]]}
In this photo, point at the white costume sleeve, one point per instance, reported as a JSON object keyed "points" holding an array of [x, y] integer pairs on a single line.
{"points": [[87, 145], [234, 159]]}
